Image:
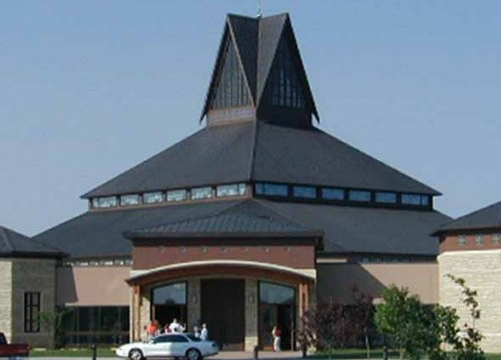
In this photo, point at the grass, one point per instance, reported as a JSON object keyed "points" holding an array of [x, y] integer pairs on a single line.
{"points": [[87, 353], [336, 354], [374, 354]]}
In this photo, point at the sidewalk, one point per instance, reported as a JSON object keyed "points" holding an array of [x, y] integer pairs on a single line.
{"points": [[224, 355]]}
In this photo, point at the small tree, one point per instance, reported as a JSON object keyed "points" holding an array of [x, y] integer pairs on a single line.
{"points": [[408, 321], [465, 340], [362, 315], [52, 323]]}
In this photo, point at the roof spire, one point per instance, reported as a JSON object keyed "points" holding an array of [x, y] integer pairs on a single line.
{"points": [[259, 9]]}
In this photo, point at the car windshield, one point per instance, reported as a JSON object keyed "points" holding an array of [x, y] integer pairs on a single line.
{"points": [[193, 337]]}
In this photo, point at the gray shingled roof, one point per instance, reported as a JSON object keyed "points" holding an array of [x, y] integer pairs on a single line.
{"points": [[13, 243], [100, 233], [346, 229], [255, 151], [488, 217], [227, 225], [363, 229], [213, 155]]}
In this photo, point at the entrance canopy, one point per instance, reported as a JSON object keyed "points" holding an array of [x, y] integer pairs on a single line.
{"points": [[222, 268]]}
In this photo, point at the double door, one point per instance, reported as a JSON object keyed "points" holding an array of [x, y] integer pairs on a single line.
{"points": [[223, 311]]}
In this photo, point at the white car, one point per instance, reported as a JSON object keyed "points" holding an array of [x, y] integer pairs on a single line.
{"points": [[169, 345]]}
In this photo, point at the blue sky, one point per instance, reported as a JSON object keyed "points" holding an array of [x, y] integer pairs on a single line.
{"points": [[90, 88]]}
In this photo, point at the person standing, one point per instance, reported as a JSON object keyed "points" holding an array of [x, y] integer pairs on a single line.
{"points": [[276, 337], [196, 331], [174, 326], [204, 333]]}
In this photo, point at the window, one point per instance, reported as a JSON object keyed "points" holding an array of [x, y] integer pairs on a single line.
{"points": [[479, 239], [415, 199], [153, 197], [495, 239], [332, 194], [170, 294], [104, 202], [285, 88], [176, 195], [31, 312], [200, 193], [170, 339], [271, 189], [359, 195], [461, 240], [230, 190], [193, 338], [84, 325], [128, 200], [308, 192], [231, 89], [386, 197], [275, 293]]}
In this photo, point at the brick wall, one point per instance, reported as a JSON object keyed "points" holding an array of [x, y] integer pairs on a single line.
{"points": [[482, 272]]}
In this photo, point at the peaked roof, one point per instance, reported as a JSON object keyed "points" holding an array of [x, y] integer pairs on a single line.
{"points": [[256, 151], [488, 217], [13, 244], [234, 225], [256, 41], [345, 229]]}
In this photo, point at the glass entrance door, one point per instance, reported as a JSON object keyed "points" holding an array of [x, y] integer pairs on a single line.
{"points": [[277, 307]]}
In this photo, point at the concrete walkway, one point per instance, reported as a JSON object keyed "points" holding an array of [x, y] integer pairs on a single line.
{"points": [[224, 355]]}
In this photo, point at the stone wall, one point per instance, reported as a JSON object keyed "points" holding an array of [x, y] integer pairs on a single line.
{"points": [[33, 275], [251, 320], [6, 298], [482, 272]]}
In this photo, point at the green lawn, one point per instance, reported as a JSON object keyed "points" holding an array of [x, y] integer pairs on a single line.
{"points": [[374, 354], [336, 354], [87, 353]]}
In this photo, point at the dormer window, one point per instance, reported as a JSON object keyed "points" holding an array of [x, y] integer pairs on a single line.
{"points": [[105, 202], [153, 197], [359, 195], [201, 193], [129, 200]]}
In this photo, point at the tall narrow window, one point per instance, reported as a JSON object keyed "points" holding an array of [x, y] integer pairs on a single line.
{"points": [[231, 90], [285, 88], [31, 312]]}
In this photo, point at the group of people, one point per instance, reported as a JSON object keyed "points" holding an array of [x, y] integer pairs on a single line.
{"points": [[155, 329]]}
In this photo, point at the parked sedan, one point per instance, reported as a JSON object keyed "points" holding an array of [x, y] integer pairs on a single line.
{"points": [[169, 345]]}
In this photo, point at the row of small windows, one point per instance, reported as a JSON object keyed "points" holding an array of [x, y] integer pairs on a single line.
{"points": [[101, 262], [480, 240], [341, 194], [156, 197]]}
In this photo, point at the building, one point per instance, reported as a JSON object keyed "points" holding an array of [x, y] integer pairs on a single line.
{"points": [[470, 248], [27, 287], [245, 223]]}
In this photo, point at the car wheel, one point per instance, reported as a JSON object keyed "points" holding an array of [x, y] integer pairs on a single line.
{"points": [[135, 354], [193, 354]]}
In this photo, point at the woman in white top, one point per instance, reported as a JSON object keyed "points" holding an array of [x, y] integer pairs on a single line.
{"points": [[204, 334]]}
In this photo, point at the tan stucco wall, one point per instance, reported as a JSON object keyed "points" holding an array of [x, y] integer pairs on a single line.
{"points": [[32, 275], [6, 298], [93, 285], [335, 281], [482, 272]]}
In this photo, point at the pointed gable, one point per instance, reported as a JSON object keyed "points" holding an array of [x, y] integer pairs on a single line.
{"points": [[259, 74], [231, 89]]}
